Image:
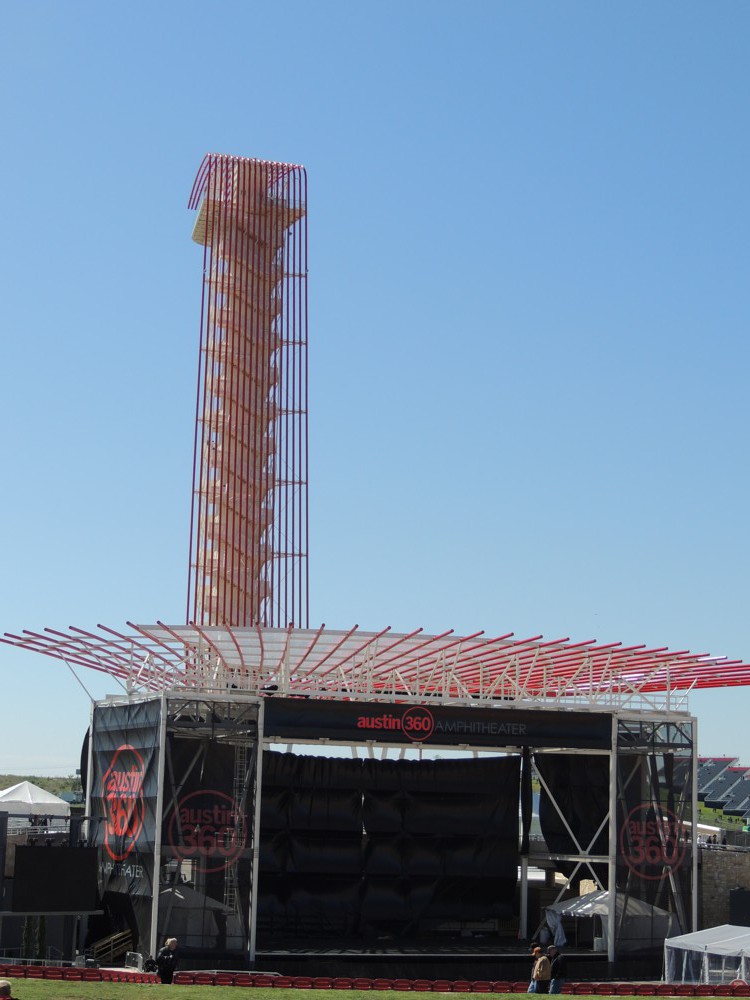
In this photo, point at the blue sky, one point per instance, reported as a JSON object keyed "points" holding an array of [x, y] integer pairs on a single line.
{"points": [[528, 251]]}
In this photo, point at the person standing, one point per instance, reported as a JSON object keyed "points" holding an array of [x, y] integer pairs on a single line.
{"points": [[541, 973], [166, 960], [557, 969], [532, 983]]}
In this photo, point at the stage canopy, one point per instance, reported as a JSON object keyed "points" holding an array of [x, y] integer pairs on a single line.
{"points": [[324, 663]]}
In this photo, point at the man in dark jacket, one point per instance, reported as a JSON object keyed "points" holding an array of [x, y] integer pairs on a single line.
{"points": [[557, 969], [166, 960]]}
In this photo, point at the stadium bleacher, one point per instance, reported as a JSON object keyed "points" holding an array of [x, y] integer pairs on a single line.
{"points": [[709, 769]]}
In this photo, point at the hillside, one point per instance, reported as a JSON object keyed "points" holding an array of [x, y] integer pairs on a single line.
{"points": [[71, 783]]}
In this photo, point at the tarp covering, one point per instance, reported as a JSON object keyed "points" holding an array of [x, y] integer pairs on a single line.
{"points": [[27, 799], [714, 955], [638, 925]]}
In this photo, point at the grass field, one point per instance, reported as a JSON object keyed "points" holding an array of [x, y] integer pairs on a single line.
{"points": [[34, 989]]}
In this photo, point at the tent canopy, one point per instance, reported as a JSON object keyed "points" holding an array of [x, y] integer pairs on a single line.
{"points": [[714, 955], [638, 924], [26, 799], [727, 939]]}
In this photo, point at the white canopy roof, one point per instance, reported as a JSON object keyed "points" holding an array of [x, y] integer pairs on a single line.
{"points": [[27, 799], [726, 939], [640, 924]]}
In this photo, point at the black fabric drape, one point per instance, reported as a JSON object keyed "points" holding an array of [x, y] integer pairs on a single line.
{"points": [[352, 848], [580, 786], [527, 799]]}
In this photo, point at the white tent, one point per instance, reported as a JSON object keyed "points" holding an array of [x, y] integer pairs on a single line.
{"points": [[714, 955], [25, 799], [638, 925]]}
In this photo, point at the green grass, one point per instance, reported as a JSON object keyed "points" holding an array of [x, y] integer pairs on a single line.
{"points": [[35, 989]]}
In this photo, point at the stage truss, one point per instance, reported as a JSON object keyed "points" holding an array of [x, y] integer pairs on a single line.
{"points": [[410, 667]]}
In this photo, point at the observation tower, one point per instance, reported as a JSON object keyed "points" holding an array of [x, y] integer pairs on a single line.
{"points": [[248, 529]]}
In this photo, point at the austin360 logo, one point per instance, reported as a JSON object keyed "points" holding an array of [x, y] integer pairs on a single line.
{"points": [[652, 845], [122, 795], [208, 828]]}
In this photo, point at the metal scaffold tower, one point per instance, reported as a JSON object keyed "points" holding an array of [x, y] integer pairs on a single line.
{"points": [[248, 539]]}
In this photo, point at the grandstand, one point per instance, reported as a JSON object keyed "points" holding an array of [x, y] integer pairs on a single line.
{"points": [[724, 788]]}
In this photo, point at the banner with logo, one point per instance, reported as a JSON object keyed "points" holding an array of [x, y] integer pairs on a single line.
{"points": [[123, 784], [355, 722]]}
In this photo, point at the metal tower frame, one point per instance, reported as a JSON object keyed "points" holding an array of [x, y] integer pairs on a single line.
{"points": [[249, 523]]}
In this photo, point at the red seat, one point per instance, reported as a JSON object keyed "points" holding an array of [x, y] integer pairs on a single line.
{"points": [[420, 985], [361, 984], [568, 988], [204, 978], [625, 989], [517, 987], [382, 984], [53, 972], [302, 982], [645, 990], [342, 983], [684, 990], [723, 990], [34, 972], [741, 990], [264, 980], [322, 983], [91, 975], [482, 986], [224, 979], [183, 979], [704, 990], [16, 971], [604, 989], [402, 984], [441, 986], [461, 986], [281, 982]]}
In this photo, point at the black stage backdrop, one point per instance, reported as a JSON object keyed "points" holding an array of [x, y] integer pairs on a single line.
{"points": [[359, 849]]}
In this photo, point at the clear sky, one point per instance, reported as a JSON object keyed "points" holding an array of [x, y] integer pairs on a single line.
{"points": [[529, 312]]}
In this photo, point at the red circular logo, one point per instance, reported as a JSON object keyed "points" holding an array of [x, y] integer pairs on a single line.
{"points": [[652, 846], [417, 723], [208, 828], [122, 795]]}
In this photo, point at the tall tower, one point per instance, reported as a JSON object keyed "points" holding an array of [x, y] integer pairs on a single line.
{"points": [[249, 522]]}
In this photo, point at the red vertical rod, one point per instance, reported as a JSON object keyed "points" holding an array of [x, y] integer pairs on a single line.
{"points": [[226, 610], [196, 500], [253, 428]]}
